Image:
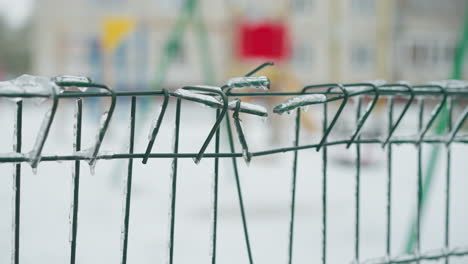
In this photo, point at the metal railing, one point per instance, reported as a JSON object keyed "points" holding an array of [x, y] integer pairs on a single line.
{"points": [[225, 99]]}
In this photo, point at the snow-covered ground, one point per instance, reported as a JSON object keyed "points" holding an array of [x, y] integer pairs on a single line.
{"points": [[46, 197]]}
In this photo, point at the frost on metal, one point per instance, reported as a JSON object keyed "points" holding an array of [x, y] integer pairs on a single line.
{"points": [[26, 85], [249, 108], [78, 80], [209, 87], [40, 137], [90, 153], [403, 82], [154, 123], [299, 101], [72, 78], [376, 83], [198, 97], [261, 82], [451, 84]]}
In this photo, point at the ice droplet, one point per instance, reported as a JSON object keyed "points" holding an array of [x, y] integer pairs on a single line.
{"points": [[247, 156], [92, 168], [196, 160]]}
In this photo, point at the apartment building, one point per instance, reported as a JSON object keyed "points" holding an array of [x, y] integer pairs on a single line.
{"points": [[330, 40]]}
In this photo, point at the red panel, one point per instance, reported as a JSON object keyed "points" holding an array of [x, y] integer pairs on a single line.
{"points": [[263, 40]]}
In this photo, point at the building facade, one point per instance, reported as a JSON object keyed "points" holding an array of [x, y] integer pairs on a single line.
{"points": [[331, 40]]}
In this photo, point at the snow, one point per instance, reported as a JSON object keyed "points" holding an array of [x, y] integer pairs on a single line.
{"points": [[301, 100], [46, 198], [248, 106], [214, 88], [377, 82], [28, 84], [260, 82], [192, 95], [72, 78]]}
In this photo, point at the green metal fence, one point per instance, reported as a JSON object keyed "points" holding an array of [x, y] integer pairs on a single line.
{"points": [[226, 99]]}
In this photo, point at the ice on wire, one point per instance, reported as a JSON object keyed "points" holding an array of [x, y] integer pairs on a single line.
{"points": [[299, 101], [261, 82], [72, 79], [197, 97], [249, 108], [27, 85], [376, 83]]}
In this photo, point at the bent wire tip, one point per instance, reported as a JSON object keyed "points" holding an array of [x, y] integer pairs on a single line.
{"points": [[263, 65], [156, 127]]}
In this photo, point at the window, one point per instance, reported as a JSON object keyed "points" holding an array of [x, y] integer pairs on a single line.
{"points": [[419, 54], [302, 6], [361, 56], [430, 53], [362, 7]]}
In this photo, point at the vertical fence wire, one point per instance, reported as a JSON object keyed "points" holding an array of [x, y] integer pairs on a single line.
{"points": [[448, 180], [128, 190], [324, 188], [417, 245], [357, 188], [17, 183], [388, 241], [76, 180], [214, 228], [239, 190], [358, 140], [293, 186], [173, 191]]}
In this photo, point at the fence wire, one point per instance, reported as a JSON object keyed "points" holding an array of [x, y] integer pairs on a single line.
{"points": [[227, 99]]}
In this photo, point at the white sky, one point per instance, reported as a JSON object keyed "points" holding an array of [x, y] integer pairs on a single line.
{"points": [[15, 11]]}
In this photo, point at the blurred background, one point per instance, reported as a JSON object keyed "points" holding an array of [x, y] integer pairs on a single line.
{"points": [[155, 44], [123, 43]]}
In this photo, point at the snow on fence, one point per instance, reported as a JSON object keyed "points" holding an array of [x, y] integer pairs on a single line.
{"points": [[228, 99]]}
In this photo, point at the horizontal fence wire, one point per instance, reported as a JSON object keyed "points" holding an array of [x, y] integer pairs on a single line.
{"points": [[224, 100]]}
